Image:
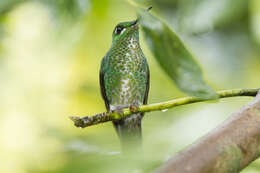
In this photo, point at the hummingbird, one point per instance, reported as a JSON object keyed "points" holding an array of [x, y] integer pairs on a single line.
{"points": [[124, 80]]}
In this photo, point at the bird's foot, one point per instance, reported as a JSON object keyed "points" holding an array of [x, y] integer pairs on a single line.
{"points": [[134, 107], [118, 110]]}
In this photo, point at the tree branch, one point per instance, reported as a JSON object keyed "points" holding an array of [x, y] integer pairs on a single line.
{"points": [[227, 149], [110, 116]]}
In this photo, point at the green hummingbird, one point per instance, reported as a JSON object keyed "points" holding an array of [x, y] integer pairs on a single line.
{"points": [[124, 80]]}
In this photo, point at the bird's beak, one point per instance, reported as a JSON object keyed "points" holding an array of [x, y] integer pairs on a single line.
{"points": [[134, 22]]}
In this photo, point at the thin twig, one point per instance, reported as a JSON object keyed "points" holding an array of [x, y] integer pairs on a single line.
{"points": [[110, 116]]}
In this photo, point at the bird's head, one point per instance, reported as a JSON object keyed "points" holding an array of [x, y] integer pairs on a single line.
{"points": [[126, 30]]}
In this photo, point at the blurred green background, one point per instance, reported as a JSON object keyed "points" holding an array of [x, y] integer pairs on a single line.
{"points": [[50, 53]]}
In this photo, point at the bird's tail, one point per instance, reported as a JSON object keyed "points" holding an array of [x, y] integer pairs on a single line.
{"points": [[129, 131]]}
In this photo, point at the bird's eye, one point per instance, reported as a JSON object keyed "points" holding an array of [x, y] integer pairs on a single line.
{"points": [[118, 29]]}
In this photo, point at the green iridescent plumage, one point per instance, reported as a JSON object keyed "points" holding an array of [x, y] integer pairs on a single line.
{"points": [[124, 78]]}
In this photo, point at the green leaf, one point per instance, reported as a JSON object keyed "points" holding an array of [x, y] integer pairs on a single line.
{"points": [[7, 5], [68, 9], [255, 19], [174, 57], [198, 16]]}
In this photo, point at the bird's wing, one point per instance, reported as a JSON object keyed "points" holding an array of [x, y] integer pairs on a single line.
{"points": [[102, 83], [147, 86]]}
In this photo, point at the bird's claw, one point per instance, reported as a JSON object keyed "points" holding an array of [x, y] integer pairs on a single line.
{"points": [[118, 110], [134, 107]]}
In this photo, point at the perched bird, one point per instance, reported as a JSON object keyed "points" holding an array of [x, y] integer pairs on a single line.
{"points": [[124, 80]]}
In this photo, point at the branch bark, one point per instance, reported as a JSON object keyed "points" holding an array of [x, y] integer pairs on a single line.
{"points": [[110, 116], [227, 149]]}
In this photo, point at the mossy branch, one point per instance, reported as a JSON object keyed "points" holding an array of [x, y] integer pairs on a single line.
{"points": [[228, 148], [110, 116]]}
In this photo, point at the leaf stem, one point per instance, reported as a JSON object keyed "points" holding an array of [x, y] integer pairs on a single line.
{"points": [[111, 116]]}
